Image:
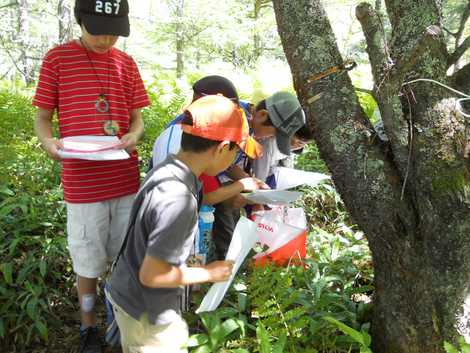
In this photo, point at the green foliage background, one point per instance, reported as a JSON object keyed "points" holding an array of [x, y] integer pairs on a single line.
{"points": [[37, 282]]}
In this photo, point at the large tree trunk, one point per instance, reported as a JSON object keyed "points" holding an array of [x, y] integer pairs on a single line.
{"points": [[412, 196]]}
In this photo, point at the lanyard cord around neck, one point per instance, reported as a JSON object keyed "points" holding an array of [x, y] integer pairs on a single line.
{"points": [[102, 105]]}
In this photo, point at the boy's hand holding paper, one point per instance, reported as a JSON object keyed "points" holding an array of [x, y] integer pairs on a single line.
{"points": [[95, 148]]}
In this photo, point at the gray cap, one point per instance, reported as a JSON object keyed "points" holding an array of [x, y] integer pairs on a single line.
{"points": [[287, 116]]}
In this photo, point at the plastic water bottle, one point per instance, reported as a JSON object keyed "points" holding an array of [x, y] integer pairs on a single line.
{"points": [[206, 221]]}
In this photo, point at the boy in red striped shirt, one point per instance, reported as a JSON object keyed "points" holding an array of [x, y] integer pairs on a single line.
{"points": [[97, 90]]}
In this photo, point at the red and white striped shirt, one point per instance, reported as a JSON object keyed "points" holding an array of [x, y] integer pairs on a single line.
{"points": [[70, 83]]}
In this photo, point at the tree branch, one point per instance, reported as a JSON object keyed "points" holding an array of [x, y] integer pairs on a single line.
{"points": [[409, 59], [395, 123], [409, 20], [463, 21], [460, 79], [13, 60], [6, 73], [457, 54], [459, 49], [375, 38], [14, 3]]}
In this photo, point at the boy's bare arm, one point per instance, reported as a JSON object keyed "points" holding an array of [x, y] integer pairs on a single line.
{"points": [[236, 173], [136, 131], [228, 191], [43, 130], [156, 273]]}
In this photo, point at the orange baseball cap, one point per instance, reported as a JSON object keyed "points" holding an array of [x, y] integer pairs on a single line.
{"points": [[217, 118]]}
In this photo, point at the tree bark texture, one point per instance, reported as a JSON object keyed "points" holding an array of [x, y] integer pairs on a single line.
{"points": [[64, 15], [24, 41], [179, 38], [411, 195]]}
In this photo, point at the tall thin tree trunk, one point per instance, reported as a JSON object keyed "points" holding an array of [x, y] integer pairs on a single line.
{"points": [[24, 42], [64, 14], [179, 38], [256, 37]]}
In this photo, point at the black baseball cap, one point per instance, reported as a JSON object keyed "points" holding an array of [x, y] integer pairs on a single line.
{"points": [[215, 84], [104, 17]]}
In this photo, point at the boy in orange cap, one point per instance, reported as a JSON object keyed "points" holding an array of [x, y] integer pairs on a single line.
{"points": [[145, 287]]}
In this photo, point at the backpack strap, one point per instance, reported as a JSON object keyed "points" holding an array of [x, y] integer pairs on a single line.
{"points": [[136, 206]]}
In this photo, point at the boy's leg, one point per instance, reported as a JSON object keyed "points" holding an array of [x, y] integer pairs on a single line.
{"points": [[139, 336], [87, 233], [86, 288], [225, 220]]}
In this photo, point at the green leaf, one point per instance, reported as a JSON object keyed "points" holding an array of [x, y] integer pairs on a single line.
{"points": [[6, 191], [242, 301], [31, 308], [209, 320], [464, 346], [242, 323], [13, 245], [263, 338], [281, 342], [367, 339], [450, 348], [2, 328], [203, 349], [226, 312], [42, 329], [7, 270], [355, 335], [197, 340], [43, 268], [229, 326]]}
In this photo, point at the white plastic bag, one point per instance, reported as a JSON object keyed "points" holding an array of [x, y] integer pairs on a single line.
{"points": [[284, 232]]}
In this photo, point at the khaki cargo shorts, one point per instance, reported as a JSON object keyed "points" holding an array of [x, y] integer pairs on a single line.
{"points": [[95, 232]]}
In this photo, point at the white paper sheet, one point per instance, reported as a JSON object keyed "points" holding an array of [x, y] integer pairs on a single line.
{"points": [[243, 239], [287, 178], [94, 148], [272, 197]]}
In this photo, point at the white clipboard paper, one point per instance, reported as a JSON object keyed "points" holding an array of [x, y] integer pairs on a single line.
{"points": [[287, 178], [93, 148], [273, 197], [243, 239]]}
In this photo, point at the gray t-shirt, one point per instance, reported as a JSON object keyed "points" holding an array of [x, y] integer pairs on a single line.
{"points": [[264, 166], [162, 225]]}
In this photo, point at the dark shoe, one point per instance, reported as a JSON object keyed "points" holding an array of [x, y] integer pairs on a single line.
{"points": [[90, 341]]}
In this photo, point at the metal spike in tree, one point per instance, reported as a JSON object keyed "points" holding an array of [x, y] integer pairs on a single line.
{"points": [[412, 198]]}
